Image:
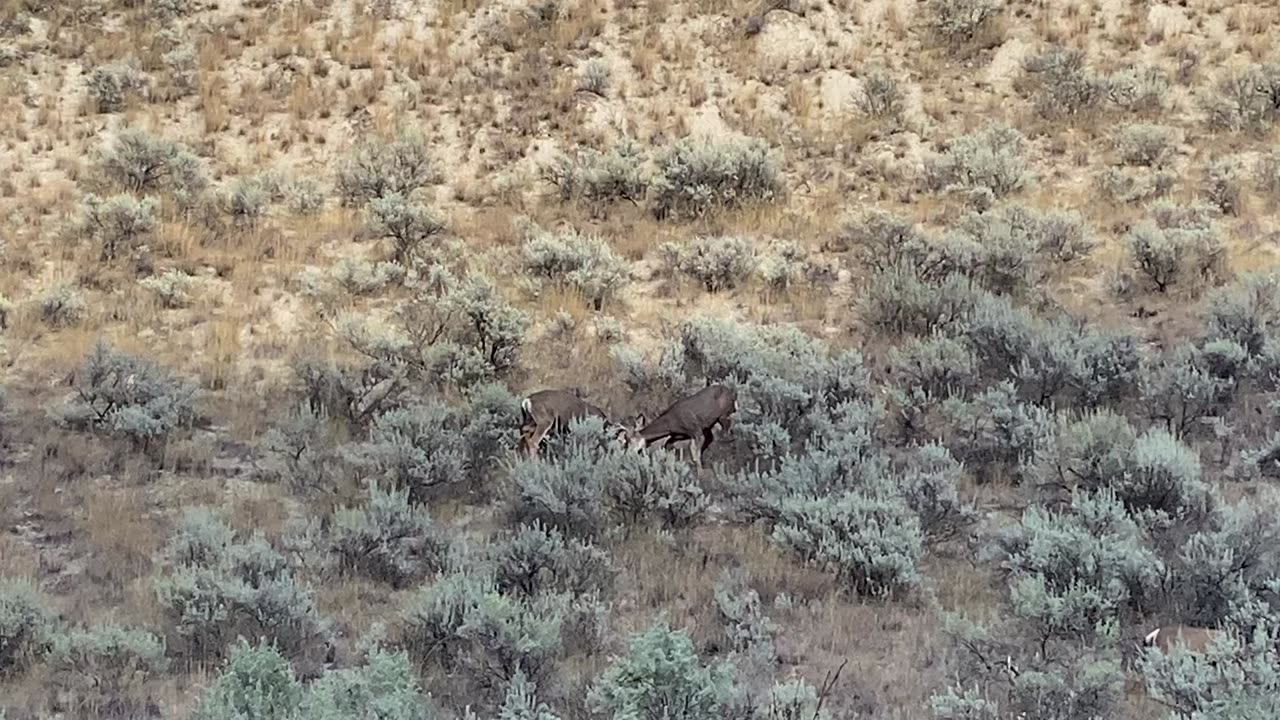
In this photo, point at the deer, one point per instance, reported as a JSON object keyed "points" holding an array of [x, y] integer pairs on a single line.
{"points": [[1195, 639], [546, 410], [688, 418]]}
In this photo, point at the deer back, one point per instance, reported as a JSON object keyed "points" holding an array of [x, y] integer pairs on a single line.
{"points": [[693, 414], [1168, 637], [557, 406]]}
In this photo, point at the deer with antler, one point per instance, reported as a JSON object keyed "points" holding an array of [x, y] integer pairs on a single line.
{"points": [[548, 410], [691, 418]]}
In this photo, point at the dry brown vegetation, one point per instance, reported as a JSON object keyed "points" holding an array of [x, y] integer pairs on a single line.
{"points": [[853, 100]]}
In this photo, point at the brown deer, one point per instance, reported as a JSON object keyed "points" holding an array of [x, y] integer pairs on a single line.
{"points": [[689, 418], [546, 410], [1195, 639]]}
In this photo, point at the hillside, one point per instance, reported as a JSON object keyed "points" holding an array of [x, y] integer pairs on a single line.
{"points": [[992, 280]]}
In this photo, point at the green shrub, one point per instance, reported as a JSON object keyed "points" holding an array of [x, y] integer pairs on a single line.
{"points": [[600, 179], [994, 433], [128, 397], [141, 162], [389, 539], [880, 240], [104, 666], [697, 176], [1175, 245], [377, 168], [900, 301], [717, 263], [407, 223], [1145, 144], [871, 544], [993, 159], [216, 588], [536, 559], [63, 306], [1245, 311], [465, 625], [384, 686], [1073, 573], [117, 223], [1245, 100], [661, 676], [584, 262], [881, 97], [1223, 185], [256, 682], [111, 86], [962, 21], [1180, 386], [1064, 87], [1138, 89], [28, 623]]}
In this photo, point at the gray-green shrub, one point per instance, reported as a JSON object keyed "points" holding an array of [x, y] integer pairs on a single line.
{"points": [[1064, 86], [717, 263], [105, 666], [535, 559], [378, 167], [1146, 144], [28, 625], [216, 587], [1245, 100], [1175, 245], [130, 397], [696, 176], [661, 676], [584, 262], [142, 162], [389, 539], [993, 158], [407, 223], [600, 179], [113, 84], [962, 21], [117, 223]]}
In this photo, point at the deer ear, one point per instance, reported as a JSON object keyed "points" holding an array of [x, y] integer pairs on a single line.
{"points": [[641, 421]]}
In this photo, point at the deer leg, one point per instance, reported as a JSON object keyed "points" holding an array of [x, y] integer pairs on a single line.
{"points": [[707, 439], [535, 440]]}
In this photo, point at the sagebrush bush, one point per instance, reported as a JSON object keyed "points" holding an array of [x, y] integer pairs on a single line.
{"points": [[994, 432], [1065, 88], [28, 625], [594, 77], [1245, 99], [962, 21], [993, 159], [661, 676], [1236, 678], [872, 544], [881, 97], [1223, 185], [1072, 572], [63, 306], [389, 539], [1245, 311], [1179, 387], [928, 482], [172, 288], [117, 223], [378, 167], [463, 623], [407, 223], [113, 84], [600, 179], [1145, 144], [216, 588], [880, 239], [1141, 90], [584, 262], [589, 488], [130, 397], [450, 333], [142, 162], [535, 559], [105, 666], [1133, 186], [900, 301], [1176, 245], [697, 176], [717, 263], [1266, 172]]}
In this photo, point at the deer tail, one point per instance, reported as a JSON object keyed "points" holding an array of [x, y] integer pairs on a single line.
{"points": [[1151, 636], [527, 406]]}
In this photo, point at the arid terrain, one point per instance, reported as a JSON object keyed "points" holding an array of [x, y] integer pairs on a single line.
{"points": [[992, 280]]}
